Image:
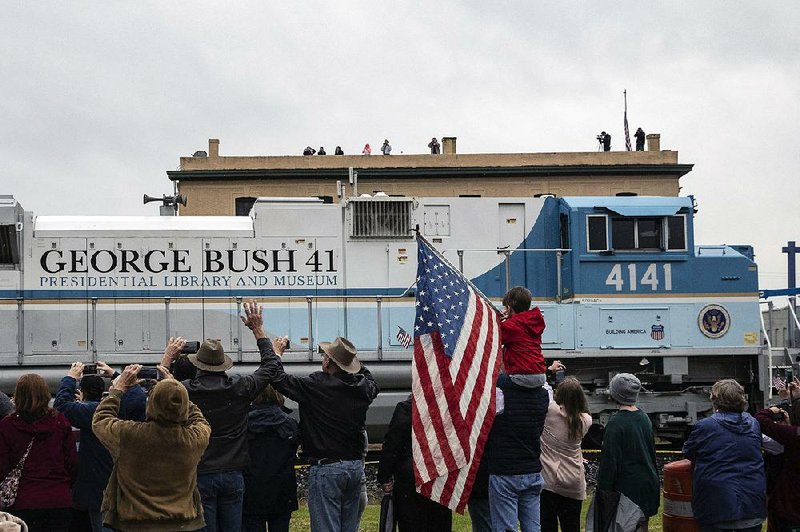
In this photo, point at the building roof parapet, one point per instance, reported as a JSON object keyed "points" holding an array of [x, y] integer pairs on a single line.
{"points": [[430, 161], [383, 172]]}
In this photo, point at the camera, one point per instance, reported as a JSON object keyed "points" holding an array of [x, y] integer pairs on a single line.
{"points": [[778, 416], [190, 348], [560, 374], [90, 369], [149, 373], [600, 137]]}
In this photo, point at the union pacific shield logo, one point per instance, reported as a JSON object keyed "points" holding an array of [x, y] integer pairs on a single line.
{"points": [[657, 332]]}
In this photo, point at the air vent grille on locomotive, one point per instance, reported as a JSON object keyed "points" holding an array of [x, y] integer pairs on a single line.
{"points": [[380, 218]]}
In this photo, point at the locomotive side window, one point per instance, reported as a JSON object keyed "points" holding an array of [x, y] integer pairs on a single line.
{"points": [[623, 233], [676, 233], [9, 254], [243, 206], [563, 225], [597, 232], [637, 234], [648, 232]]}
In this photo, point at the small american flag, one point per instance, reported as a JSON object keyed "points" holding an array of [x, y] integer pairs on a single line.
{"points": [[778, 383], [403, 337], [456, 361]]}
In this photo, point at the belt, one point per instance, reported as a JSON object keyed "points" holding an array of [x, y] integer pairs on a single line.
{"points": [[328, 461], [325, 461]]}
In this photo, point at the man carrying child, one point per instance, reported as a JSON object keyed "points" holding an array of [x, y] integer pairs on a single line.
{"points": [[515, 479]]}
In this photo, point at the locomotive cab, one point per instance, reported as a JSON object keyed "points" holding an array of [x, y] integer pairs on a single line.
{"points": [[649, 301]]}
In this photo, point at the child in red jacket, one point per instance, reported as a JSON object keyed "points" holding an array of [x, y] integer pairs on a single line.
{"points": [[521, 334]]}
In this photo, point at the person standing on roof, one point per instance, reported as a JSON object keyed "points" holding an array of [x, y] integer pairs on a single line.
{"points": [[386, 149], [639, 139]]}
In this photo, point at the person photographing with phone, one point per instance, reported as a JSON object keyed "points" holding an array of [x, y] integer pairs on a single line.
{"points": [[78, 396], [153, 485], [566, 424], [783, 426]]}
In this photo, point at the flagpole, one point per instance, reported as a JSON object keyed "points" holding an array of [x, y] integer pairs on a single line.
{"points": [[470, 283]]}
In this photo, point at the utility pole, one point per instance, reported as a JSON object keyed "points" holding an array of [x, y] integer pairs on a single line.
{"points": [[791, 250]]}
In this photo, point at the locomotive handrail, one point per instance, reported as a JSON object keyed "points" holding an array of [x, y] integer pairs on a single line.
{"points": [[769, 347], [794, 316], [507, 252], [497, 250], [723, 247], [93, 300]]}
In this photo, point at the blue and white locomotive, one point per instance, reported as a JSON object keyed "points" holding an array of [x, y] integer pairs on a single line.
{"points": [[620, 281]]}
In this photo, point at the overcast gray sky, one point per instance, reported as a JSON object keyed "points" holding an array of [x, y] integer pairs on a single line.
{"points": [[99, 99]]}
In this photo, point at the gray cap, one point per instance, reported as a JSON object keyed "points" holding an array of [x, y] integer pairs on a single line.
{"points": [[625, 388]]}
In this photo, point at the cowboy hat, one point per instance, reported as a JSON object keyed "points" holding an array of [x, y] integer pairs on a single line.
{"points": [[343, 352], [211, 357]]}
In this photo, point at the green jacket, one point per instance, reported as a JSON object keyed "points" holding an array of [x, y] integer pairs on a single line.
{"points": [[153, 486], [628, 460]]}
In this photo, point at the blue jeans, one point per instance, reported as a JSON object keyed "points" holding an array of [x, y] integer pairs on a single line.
{"points": [[334, 491], [514, 498], [222, 495]]}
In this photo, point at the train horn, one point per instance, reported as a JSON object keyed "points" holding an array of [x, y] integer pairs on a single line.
{"points": [[167, 200]]}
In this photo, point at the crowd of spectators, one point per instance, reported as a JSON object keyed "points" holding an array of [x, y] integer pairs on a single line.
{"points": [[194, 448], [198, 448], [386, 149]]}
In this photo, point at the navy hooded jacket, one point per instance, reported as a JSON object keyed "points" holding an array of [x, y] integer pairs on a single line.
{"points": [[729, 480], [270, 483], [94, 461]]}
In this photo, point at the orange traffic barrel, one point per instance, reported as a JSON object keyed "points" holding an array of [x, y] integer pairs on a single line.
{"points": [[678, 516]]}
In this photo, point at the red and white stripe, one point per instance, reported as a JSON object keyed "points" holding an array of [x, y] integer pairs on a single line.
{"points": [[454, 405]]}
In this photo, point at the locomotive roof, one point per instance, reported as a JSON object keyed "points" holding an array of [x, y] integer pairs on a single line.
{"points": [[208, 226], [632, 205]]}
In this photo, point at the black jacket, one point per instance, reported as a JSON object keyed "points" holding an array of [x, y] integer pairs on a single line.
{"points": [[396, 460], [225, 401], [333, 409], [270, 486], [513, 447]]}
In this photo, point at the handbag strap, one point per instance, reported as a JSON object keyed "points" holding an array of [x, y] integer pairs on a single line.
{"points": [[25, 456]]}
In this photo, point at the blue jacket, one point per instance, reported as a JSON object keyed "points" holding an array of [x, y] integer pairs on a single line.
{"points": [[729, 479], [94, 461]]}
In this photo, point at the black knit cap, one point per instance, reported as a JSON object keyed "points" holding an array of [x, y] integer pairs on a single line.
{"points": [[92, 386]]}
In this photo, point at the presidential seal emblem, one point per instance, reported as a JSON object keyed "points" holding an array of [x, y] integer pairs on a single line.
{"points": [[714, 321]]}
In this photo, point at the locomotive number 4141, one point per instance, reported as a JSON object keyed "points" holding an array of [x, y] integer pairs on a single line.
{"points": [[650, 277]]}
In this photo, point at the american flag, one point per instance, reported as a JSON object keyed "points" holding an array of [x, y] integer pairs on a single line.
{"points": [[403, 337], [627, 131], [456, 360]]}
